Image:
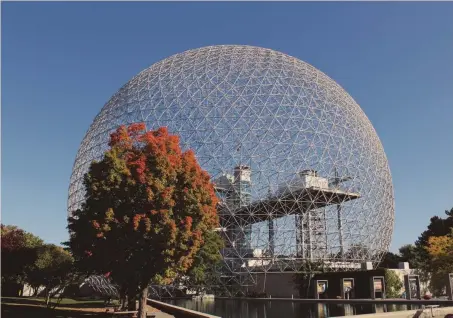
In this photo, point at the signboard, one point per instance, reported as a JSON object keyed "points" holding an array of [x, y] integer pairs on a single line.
{"points": [[413, 287], [320, 288], [378, 285], [347, 284]]}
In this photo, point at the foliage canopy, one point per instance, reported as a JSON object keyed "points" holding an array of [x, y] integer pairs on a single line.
{"points": [[148, 208], [393, 284], [17, 252]]}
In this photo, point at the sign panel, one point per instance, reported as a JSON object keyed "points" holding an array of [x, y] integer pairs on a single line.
{"points": [[413, 287], [347, 284], [321, 287], [378, 285]]}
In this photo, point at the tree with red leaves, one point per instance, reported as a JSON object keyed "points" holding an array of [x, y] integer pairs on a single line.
{"points": [[148, 207], [17, 252]]}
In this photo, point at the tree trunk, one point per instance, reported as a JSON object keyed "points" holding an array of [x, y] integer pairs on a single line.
{"points": [[123, 303], [47, 297], [310, 277], [131, 299], [60, 298], [142, 302], [123, 297]]}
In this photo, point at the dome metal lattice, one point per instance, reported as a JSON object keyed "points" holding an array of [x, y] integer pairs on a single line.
{"points": [[300, 170]]}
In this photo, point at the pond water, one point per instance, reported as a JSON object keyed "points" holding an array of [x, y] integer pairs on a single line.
{"points": [[234, 308]]}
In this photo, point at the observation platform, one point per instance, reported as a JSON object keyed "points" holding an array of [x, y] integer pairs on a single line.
{"points": [[294, 202]]}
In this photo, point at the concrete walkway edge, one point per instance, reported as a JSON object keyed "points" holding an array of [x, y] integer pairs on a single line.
{"points": [[177, 311], [353, 301], [434, 312]]}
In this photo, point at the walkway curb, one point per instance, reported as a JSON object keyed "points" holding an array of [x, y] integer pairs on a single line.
{"points": [[177, 311], [352, 301]]}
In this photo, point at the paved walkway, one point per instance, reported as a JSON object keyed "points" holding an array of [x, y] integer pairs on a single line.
{"points": [[160, 314]]}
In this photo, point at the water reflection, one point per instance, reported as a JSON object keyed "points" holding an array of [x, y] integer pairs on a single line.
{"points": [[282, 309]]}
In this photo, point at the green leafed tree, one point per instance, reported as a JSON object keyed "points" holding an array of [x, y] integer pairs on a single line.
{"points": [[147, 211], [440, 250], [52, 269], [17, 252], [408, 253], [393, 284], [203, 271], [390, 260], [438, 227]]}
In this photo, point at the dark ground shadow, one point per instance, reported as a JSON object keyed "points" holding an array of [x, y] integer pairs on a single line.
{"points": [[28, 311]]}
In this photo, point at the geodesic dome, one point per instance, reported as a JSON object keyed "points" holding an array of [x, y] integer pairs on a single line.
{"points": [[300, 170]]}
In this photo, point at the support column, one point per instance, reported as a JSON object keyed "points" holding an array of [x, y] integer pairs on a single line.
{"points": [[310, 230], [270, 223], [340, 230], [300, 248]]}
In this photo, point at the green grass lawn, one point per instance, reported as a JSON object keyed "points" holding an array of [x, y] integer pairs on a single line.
{"points": [[15, 307]]}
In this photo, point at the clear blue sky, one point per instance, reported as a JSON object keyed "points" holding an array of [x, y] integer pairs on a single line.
{"points": [[62, 61]]}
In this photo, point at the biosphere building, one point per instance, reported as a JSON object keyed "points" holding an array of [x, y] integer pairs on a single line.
{"points": [[300, 171]]}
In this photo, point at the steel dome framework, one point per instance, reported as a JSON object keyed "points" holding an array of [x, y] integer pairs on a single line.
{"points": [[300, 170]]}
